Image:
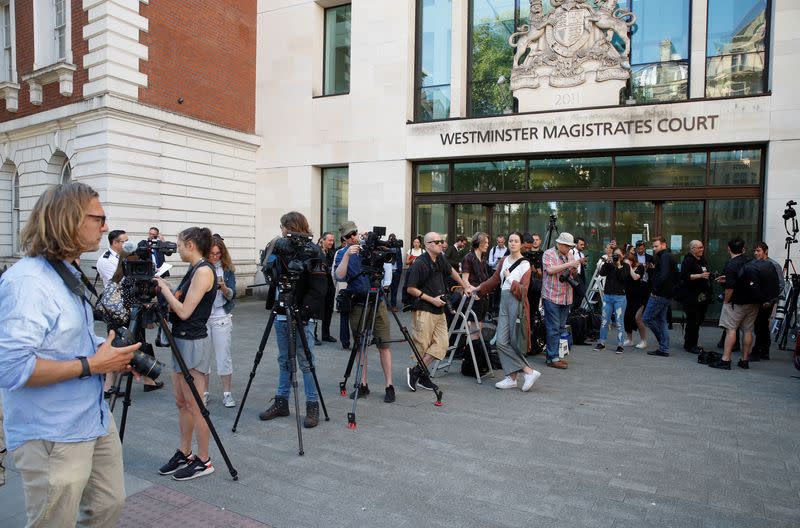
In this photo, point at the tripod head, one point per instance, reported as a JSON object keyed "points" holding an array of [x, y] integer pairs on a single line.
{"points": [[552, 227]]}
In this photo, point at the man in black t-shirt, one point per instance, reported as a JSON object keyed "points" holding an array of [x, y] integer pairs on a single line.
{"points": [[695, 293], [426, 285], [737, 313]]}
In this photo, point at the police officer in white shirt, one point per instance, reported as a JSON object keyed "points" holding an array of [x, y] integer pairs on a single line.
{"points": [[107, 263]]}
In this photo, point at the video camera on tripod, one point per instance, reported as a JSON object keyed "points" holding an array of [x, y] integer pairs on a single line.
{"points": [[376, 252], [141, 270]]}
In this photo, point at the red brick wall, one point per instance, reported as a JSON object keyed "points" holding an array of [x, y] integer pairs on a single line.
{"points": [[24, 42], [203, 51]]}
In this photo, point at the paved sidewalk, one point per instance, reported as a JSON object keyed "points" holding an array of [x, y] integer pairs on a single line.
{"points": [[615, 441]]}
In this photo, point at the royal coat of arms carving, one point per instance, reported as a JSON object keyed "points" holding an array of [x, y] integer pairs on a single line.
{"points": [[572, 45]]}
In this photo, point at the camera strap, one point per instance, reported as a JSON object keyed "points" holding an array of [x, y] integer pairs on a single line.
{"points": [[75, 286]]}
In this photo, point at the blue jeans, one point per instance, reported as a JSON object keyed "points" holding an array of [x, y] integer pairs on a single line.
{"points": [[555, 320], [282, 333], [655, 318], [344, 328], [613, 304], [396, 274]]}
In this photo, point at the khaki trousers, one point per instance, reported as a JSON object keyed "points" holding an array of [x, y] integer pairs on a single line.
{"points": [[71, 484], [429, 333]]}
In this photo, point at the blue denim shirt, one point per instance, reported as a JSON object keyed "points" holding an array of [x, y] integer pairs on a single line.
{"points": [[41, 318], [230, 281]]}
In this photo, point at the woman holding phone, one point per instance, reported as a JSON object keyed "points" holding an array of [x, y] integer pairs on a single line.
{"points": [[220, 322]]}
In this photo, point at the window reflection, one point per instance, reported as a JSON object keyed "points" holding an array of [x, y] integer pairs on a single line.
{"points": [[570, 173], [493, 21], [736, 167], [489, 176], [736, 47], [433, 177], [334, 197], [433, 217], [433, 67], [660, 50], [337, 50], [661, 170]]}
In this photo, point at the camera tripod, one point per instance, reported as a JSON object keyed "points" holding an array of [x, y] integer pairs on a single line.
{"points": [[296, 328], [786, 313], [375, 296], [137, 329]]}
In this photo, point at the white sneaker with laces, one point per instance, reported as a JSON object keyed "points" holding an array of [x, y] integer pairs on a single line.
{"points": [[506, 383], [627, 342], [530, 379], [642, 345], [227, 400]]}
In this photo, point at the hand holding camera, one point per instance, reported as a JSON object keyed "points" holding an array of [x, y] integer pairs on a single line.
{"points": [[112, 358]]}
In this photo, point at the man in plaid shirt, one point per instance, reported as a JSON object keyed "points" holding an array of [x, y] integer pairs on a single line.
{"points": [[557, 294]]}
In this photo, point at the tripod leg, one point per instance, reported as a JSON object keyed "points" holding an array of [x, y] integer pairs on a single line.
{"points": [[126, 402], [259, 355], [197, 398], [310, 360], [291, 359], [423, 367]]}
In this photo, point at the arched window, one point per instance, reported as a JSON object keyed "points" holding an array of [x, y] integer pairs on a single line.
{"points": [[15, 216], [66, 172]]}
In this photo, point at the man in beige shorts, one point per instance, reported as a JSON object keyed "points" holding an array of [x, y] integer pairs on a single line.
{"points": [[737, 313], [427, 284]]}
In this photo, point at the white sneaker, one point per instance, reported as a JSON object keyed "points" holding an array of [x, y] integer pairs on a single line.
{"points": [[227, 400], [530, 379], [506, 383], [205, 399], [642, 345], [627, 342]]}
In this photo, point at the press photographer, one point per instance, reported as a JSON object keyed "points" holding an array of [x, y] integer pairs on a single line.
{"points": [[558, 282], [295, 265], [52, 367], [191, 306], [353, 264]]}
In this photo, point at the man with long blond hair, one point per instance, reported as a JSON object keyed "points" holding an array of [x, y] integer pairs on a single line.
{"points": [[58, 426]]}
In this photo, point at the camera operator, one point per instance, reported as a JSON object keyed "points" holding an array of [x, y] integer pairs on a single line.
{"points": [[191, 306], [762, 340], [348, 264], [107, 263], [617, 272], [695, 294], [397, 271], [63, 439], [663, 279], [427, 285], [294, 224], [559, 280]]}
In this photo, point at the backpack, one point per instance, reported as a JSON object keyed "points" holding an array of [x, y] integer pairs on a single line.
{"points": [[756, 283], [424, 261]]}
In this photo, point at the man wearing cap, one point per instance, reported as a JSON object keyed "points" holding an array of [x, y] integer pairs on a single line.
{"points": [[557, 294], [347, 265]]}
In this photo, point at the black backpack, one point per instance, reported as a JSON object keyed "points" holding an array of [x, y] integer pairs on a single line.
{"points": [[756, 283]]}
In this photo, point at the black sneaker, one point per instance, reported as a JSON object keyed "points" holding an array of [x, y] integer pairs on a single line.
{"points": [[412, 378], [744, 364], [720, 364], [389, 397], [363, 390], [178, 461], [425, 382], [619, 349], [197, 468], [599, 346], [658, 353]]}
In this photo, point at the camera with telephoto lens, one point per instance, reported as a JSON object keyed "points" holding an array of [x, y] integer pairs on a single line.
{"points": [[138, 272], [141, 363], [376, 252], [567, 277]]}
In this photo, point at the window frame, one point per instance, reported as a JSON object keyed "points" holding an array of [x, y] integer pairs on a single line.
{"points": [[16, 226], [322, 204], [8, 72], [767, 54], [325, 49], [44, 30], [65, 175], [418, 66]]}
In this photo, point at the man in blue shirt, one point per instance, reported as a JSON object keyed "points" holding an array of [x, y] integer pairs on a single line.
{"points": [[57, 424], [347, 266]]}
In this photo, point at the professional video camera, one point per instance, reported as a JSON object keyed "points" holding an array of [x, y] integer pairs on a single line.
{"points": [[138, 272], [293, 253], [376, 252], [789, 212]]}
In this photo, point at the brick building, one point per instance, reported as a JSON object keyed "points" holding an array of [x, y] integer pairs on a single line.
{"points": [[151, 103]]}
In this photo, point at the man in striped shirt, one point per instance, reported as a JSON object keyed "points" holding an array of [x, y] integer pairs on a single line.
{"points": [[557, 293]]}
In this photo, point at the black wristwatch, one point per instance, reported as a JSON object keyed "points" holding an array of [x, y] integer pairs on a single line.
{"points": [[86, 372]]}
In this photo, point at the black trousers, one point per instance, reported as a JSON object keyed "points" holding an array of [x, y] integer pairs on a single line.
{"points": [[763, 340], [330, 297], [695, 315]]}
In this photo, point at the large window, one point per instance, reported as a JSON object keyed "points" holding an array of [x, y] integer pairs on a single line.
{"points": [[489, 176], [7, 68], [334, 197], [570, 173], [51, 32], [432, 217], [661, 170], [736, 48], [433, 178], [660, 50], [434, 29], [337, 50], [491, 58]]}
